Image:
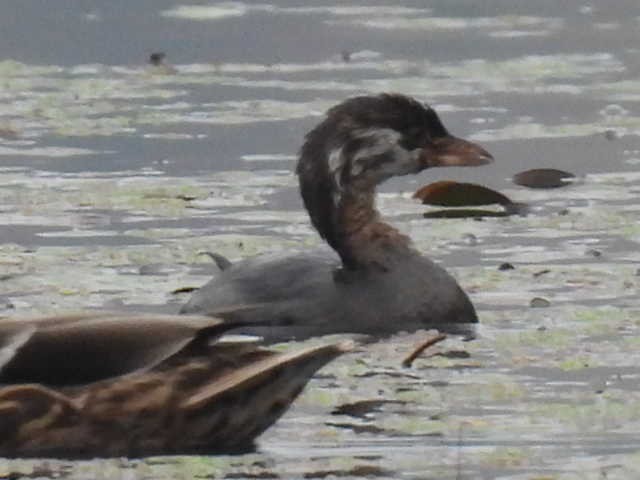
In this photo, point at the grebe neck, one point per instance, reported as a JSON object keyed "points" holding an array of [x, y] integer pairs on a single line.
{"points": [[360, 236], [338, 177], [341, 205], [361, 143]]}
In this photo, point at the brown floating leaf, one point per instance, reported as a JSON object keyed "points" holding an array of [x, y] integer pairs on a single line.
{"points": [[543, 178], [447, 193], [422, 347]]}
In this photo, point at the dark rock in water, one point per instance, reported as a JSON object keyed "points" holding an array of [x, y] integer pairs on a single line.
{"points": [[543, 178], [506, 266]]}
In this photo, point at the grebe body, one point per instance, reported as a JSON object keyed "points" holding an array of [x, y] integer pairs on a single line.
{"points": [[374, 281]]}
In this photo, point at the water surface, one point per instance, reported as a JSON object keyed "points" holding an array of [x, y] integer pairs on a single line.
{"points": [[114, 176]]}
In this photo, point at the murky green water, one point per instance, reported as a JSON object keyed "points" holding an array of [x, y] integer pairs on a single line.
{"points": [[114, 176]]}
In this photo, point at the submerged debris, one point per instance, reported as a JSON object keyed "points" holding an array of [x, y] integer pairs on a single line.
{"points": [[363, 408], [539, 302], [8, 133], [156, 61], [407, 362], [358, 471]]}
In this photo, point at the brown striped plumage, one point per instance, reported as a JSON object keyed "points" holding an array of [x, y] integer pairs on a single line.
{"points": [[195, 398]]}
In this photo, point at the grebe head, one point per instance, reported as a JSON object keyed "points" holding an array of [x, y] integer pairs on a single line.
{"points": [[364, 141]]}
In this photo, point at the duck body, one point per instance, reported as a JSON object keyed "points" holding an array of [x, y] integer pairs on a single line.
{"points": [[309, 293], [105, 385], [374, 281]]}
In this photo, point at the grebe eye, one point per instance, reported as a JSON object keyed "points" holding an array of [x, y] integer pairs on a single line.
{"points": [[417, 136]]}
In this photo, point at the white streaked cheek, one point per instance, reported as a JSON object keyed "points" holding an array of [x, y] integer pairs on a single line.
{"points": [[404, 162], [336, 159], [336, 163], [384, 140], [379, 148], [363, 163]]}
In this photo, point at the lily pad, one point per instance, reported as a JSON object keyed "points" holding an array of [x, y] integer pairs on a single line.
{"points": [[447, 193], [543, 178]]}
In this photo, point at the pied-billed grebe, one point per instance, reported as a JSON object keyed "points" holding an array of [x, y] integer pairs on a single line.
{"points": [[378, 283], [97, 384]]}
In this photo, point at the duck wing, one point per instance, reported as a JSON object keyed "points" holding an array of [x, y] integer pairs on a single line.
{"points": [[87, 347]]}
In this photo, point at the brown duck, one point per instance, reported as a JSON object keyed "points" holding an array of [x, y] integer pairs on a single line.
{"points": [[97, 385]]}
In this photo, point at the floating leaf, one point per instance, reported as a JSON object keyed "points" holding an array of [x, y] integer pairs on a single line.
{"points": [[543, 178], [447, 193]]}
